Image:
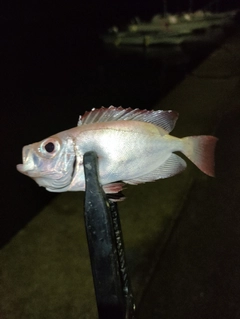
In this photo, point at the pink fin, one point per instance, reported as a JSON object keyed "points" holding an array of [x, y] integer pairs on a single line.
{"points": [[164, 119], [200, 150], [172, 166], [118, 197], [113, 191], [113, 188]]}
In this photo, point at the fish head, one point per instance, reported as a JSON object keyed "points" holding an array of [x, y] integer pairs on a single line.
{"points": [[50, 162]]}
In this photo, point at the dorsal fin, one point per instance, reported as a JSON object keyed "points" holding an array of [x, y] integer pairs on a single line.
{"points": [[164, 119]]}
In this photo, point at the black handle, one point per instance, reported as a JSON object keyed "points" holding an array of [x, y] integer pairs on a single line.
{"points": [[105, 243]]}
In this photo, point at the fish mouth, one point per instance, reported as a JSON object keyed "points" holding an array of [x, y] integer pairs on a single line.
{"points": [[20, 168], [26, 168]]}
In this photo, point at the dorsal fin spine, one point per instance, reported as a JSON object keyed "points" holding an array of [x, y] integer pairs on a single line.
{"points": [[164, 119]]}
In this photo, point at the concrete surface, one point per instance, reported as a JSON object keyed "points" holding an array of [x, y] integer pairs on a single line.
{"points": [[198, 274], [45, 270]]}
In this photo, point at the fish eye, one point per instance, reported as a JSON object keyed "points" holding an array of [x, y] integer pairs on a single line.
{"points": [[49, 147]]}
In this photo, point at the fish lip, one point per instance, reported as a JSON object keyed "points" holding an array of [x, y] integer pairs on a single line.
{"points": [[26, 154], [22, 168], [28, 166]]}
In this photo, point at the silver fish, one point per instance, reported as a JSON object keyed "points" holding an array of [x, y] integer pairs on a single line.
{"points": [[133, 147]]}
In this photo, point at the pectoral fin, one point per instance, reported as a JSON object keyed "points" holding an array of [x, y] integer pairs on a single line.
{"points": [[172, 166], [113, 187], [114, 191]]}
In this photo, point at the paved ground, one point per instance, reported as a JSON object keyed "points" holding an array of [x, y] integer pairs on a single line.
{"points": [[45, 271], [198, 274]]}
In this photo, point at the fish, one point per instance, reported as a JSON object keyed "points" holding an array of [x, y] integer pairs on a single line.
{"points": [[133, 146]]}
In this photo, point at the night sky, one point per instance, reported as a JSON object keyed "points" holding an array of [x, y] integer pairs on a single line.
{"points": [[99, 13]]}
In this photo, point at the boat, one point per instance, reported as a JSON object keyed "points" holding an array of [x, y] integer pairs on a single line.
{"points": [[184, 23], [168, 30], [143, 38]]}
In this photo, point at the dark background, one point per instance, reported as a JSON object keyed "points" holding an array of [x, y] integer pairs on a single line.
{"points": [[54, 67]]}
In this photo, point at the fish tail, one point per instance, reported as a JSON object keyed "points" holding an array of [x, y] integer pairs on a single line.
{"points": [[200, 150]]}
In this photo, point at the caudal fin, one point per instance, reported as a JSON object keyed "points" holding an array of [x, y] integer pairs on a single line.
{"points": [[200, 150]]}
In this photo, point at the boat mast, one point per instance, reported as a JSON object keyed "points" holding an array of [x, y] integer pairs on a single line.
{"points": [[190, 6], [164, 8]]}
